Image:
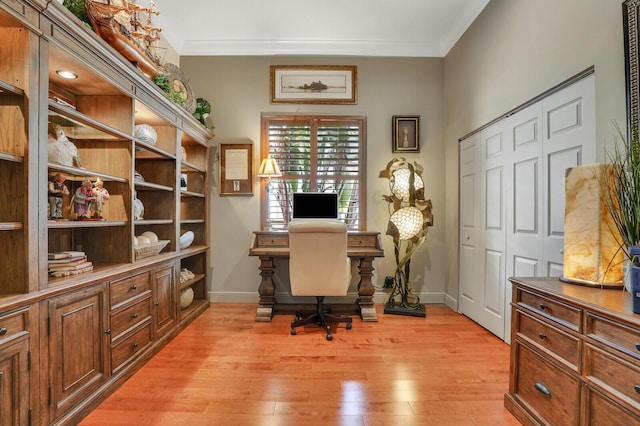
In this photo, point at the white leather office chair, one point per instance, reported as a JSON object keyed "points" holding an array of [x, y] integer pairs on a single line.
{"points": [[318, 266]]}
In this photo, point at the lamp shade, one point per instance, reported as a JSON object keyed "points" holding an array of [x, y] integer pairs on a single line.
{"points": [[269, 168], [399, 183], [408, 222]]}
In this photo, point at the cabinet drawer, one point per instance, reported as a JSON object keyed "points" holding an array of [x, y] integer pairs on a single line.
{"points": [[603, 411], [560, 343], [131, 345], [617, 335], [13, 325], [126, 288], [616, 375], [547, 391], [567, 315], [125, 319]]}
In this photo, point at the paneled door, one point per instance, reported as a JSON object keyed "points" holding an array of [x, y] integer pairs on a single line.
{"points": [[522, 164]]}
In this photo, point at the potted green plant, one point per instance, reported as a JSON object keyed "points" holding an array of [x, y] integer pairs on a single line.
{"points": [[621, 193]]}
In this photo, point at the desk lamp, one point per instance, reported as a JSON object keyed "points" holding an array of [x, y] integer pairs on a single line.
{"points": [[269, 169], [409, 217]]}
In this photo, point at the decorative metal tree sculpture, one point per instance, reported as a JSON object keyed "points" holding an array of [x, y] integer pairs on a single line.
{"points": [[409, 217]]}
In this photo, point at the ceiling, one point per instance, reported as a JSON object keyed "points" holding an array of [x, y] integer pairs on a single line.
{"points": [[417, 28]]}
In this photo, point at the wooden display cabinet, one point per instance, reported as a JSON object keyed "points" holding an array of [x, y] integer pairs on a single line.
{"points": [[71, 340]]}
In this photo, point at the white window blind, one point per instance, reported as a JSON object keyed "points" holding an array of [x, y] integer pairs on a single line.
{"points": [[315, 154]]}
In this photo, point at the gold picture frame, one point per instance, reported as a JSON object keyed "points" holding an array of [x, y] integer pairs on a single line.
{"points": [[305, 84], [236, 173], [405, 133]]}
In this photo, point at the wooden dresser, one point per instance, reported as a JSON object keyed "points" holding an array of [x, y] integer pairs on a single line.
{"points": [[575, 355]]}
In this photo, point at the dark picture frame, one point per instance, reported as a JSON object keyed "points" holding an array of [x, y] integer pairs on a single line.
{"points": [[631, 14], [405, 133], [236, 171], [305, 84]]}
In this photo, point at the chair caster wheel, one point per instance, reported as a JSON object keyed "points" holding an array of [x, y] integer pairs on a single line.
{"points": [[349, 326], [329, 337], [293, 332]]}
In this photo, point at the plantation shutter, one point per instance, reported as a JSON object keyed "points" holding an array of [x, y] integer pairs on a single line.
{"points": [[315, 154]]}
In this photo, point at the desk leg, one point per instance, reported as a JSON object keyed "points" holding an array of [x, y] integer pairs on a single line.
{"points": [[266, 290], [366, 290]]}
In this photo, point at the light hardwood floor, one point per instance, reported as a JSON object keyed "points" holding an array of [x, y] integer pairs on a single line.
{"points": [[226, 369]]}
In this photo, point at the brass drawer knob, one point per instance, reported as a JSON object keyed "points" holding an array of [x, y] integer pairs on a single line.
{"points": [[3, 331], [543, 306], [134, 315], [134, 345], [542, 336], [134, 287]]}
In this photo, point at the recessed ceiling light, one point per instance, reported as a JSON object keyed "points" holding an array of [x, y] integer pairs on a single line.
{"points": [[66, 74]]}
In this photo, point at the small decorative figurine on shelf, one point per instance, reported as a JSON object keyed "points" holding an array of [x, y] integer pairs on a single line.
{"points": [[82, 199], [101, 196], [60, 149], [57, 190]]}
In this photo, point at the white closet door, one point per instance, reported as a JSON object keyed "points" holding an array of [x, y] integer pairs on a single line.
{"points": [[512, 198], [493, 143], [568, 141], [524, 199], [470, 293]]}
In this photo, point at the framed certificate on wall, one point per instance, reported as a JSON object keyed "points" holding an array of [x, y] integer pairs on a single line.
{"points": [[236, 173]]}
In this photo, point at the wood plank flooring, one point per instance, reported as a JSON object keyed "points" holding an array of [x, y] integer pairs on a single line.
{"points": [[226, 369]]}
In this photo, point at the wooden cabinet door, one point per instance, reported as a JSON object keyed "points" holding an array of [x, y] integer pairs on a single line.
{"points": [[164, 300], [14, 382], [78, 346]]}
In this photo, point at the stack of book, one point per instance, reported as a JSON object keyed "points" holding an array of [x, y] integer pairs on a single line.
{"points": [[64, 263]]}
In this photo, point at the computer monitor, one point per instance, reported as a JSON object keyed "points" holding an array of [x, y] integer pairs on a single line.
{"points": [[315, 205]]}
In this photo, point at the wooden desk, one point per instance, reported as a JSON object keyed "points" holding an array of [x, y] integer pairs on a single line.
{"points": [[361, 245]]}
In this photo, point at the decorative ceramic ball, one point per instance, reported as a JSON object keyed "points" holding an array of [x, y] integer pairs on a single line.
{"points": [[143, 241], [145, 133], [186, 239], [186, 297], [151, 236]]}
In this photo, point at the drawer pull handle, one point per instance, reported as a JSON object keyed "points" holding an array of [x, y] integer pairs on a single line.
{"points": [[540, 387], [543, 306], [156, 303], [542, 335], [3, 331], [638, 346], [637, 388], [134, 345], [134, 287], [107, 331], [134, 315]]}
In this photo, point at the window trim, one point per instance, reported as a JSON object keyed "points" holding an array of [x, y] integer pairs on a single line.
{"points": [[312, 119]]}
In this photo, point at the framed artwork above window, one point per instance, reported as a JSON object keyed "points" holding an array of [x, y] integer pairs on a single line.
{"points": [[303, 84]]}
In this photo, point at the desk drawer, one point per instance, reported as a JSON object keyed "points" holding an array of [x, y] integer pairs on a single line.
{"points": [[617, 335], [14, 325], [362, 241], [534, 376], [272, 240], [554, 340], [128, 317], [130, 346], [127, 288], [616, 375], [567, 315]]}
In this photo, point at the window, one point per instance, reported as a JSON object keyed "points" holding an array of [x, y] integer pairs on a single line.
{"points": [[315, 154]]}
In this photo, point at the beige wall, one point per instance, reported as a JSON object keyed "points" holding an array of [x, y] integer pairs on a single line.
{"points": [[238, 90], [514, 51]]}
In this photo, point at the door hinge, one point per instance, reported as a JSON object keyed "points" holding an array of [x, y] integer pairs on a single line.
{"points": [[29, 360], [50, 395], [48, 326]]}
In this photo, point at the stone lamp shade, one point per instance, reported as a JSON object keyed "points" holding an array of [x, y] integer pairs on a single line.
{"points": [[592, 252]]}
